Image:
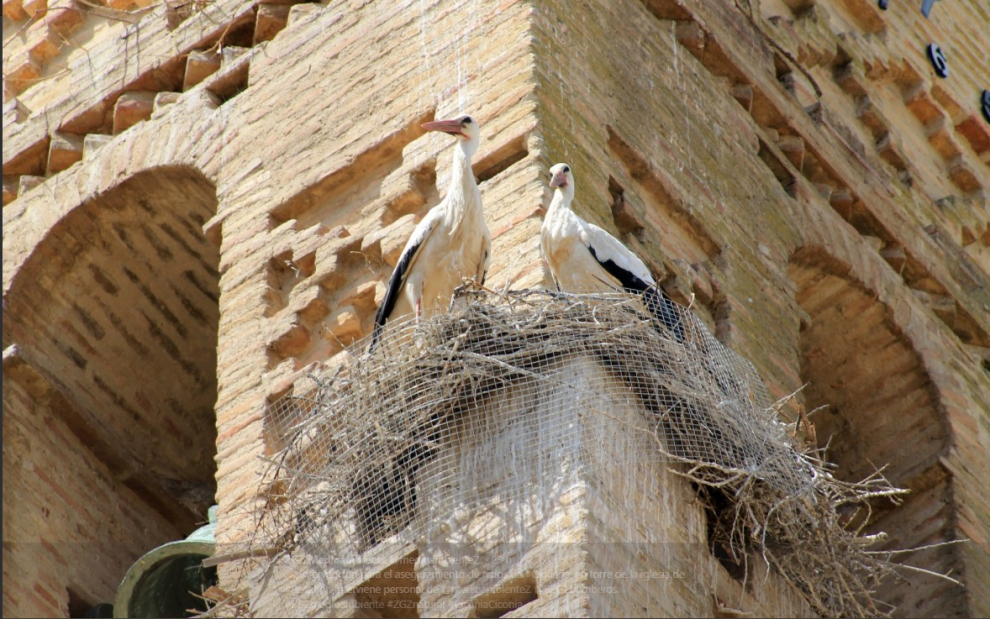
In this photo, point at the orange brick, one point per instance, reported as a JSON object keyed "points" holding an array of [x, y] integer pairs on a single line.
{"points": [[42, 43], [271, 19], [65, 150], [25, 73], [293, 342], [132, 108], [976, 131], [63, 18], [14, 9], [963, 176], [9, 190], [83, 120], [199, 66], [35, 8]]}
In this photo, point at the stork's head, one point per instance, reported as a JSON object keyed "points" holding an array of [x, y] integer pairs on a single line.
{"points": [[562, 178], [464, 128]]}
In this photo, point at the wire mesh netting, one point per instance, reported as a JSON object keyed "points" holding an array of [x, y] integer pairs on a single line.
{"points": [[482, 415]]}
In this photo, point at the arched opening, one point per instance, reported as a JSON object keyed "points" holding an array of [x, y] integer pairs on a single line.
{"points": [[881, 409], [110, 338]]}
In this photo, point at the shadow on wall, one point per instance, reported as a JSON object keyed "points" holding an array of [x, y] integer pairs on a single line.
{"points": [[880, 409], [117, 311]]}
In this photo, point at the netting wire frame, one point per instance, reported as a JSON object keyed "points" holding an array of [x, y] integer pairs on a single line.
{"points": [[354, 454]]}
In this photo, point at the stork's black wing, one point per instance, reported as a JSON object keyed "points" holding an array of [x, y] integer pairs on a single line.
{"points": [[401, 272], [661, 306]]}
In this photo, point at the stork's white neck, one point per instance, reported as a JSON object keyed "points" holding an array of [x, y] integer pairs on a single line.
{"points": [[463, 193], [562, 197]]}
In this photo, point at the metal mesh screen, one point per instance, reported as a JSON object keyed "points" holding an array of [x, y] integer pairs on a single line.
{"points": [[464, 413]]}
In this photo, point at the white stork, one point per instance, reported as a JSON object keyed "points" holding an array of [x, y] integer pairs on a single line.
{"points": [[451, 242], [586, 258]]}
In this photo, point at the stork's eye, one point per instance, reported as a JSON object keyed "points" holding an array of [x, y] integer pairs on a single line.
{"points": [[467, 120], [567, 169]]}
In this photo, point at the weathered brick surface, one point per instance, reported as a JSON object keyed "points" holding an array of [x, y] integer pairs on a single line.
{"points": [[69, 521], [837, 207], [199, 66], [65, 150], [272, 18], [132, 108]]}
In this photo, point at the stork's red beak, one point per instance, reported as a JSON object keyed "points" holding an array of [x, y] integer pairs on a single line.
{"points": [[559, 179], [453, 127]]}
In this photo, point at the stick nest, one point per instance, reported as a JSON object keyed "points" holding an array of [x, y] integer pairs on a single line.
{"points": [[349, 451]]}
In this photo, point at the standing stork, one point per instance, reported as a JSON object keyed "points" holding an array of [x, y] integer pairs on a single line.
{"points": [[586, 258], [451, 242]]}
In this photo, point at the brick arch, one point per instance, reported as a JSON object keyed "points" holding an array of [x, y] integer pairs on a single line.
{"points": [[117, 307], [883, 409]]}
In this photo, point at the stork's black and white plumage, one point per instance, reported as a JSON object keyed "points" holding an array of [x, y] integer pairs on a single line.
{"points": [[450, 243], [585, 258]]}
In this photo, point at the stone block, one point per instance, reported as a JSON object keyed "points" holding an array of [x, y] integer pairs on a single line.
{"points": [[131, 108], [362, 297], [292, 342], [62, 17], [702, 284], [65, 149], [940, 137], [230, 54], [94, 142], [743, 93], [28, 182], [24, 73], [9, 189], [392, 238], [42, 43], [963, 176], [316, 309], [301, 12], [871, 116], [967, 236], [271, 19], [793, 148], [35, 8], [691, 35], [917, 99], [867, 14], [850, 79], [96, 118], [162, 101], [824, 190], [889, 148], [842, 201], [976, 131], [344, 325], [199, 66], [14, 10], [13, 111]]}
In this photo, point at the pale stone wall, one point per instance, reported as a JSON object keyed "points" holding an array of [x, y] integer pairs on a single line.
{"points": [[797, 166]]}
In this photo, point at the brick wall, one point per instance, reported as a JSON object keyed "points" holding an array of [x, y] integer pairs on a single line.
{"points": [[69, 523], [796, 166]]}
